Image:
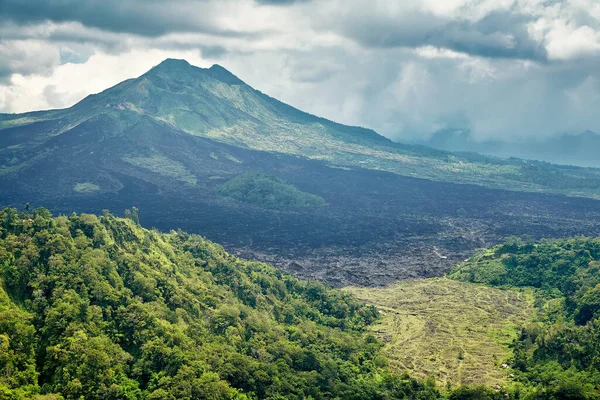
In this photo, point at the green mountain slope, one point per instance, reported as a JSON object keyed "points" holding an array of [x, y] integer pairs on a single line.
{"points": [[100, 308], [522, 318], [215, 104]]}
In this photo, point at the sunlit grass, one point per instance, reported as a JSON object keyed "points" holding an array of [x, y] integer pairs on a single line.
{"points": [[455, 332], [164, 166], [86, 187]]}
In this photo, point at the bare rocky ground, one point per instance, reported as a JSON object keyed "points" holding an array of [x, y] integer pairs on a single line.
{"points": [[378, 227], [384, 263]]}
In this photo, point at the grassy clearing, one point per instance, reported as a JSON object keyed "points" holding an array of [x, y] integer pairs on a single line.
{"points": [[164, 166], [86, 187], [453, 331]]}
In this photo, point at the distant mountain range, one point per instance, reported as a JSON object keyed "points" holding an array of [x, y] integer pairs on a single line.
{"points": [[199, 149], [582, 149]]}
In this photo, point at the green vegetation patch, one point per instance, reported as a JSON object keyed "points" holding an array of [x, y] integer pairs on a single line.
{"points": [[86, 187], [164, 166], [267, 191], [457, 333], [231, 158], [17, 121], [100, 308]]}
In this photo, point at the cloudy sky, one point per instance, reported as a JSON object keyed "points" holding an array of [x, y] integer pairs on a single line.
{"points": [[503, 69]]}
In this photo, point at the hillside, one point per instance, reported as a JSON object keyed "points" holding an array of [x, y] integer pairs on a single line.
{"points": [[267, 191], [215, 104], [100, 308], [521, 318]]}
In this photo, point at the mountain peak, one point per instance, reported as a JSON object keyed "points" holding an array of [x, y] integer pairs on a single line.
{"points": [[174, 62], [217, 67], [222, 74], [174, 66]]}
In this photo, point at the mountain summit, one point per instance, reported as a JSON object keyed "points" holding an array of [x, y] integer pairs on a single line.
{"points": [[171, 64], [139, 123], [173, 68], [213, 103]]}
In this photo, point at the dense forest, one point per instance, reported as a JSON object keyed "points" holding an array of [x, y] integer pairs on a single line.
{"points": [[558, 354], [100, 308]]}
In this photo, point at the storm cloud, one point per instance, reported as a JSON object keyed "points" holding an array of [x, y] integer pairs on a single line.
{"points": [[142, 17], [502, 69], [500, 34]]}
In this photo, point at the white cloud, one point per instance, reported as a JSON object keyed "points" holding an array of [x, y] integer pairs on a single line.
{"points": [[71, 82], [567, 42]]}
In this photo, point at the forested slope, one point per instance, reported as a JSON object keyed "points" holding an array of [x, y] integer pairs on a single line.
{"points": [[100, 308], [557, 356]]}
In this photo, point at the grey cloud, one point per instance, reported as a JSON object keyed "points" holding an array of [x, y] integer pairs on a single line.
{"points": [[500, 34], [213, 51], [405, 96], [142, 17], [280, 2], [77, 43], [304, 67], [5, 74], [52, 97], [64, 35], [315, 74], [75, 53], [27, 57]]}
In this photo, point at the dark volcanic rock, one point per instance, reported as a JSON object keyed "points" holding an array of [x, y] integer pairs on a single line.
{"points": [[378, 227]]}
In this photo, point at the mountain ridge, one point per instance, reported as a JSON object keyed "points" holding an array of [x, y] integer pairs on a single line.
{"points": [[216, 104]]}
